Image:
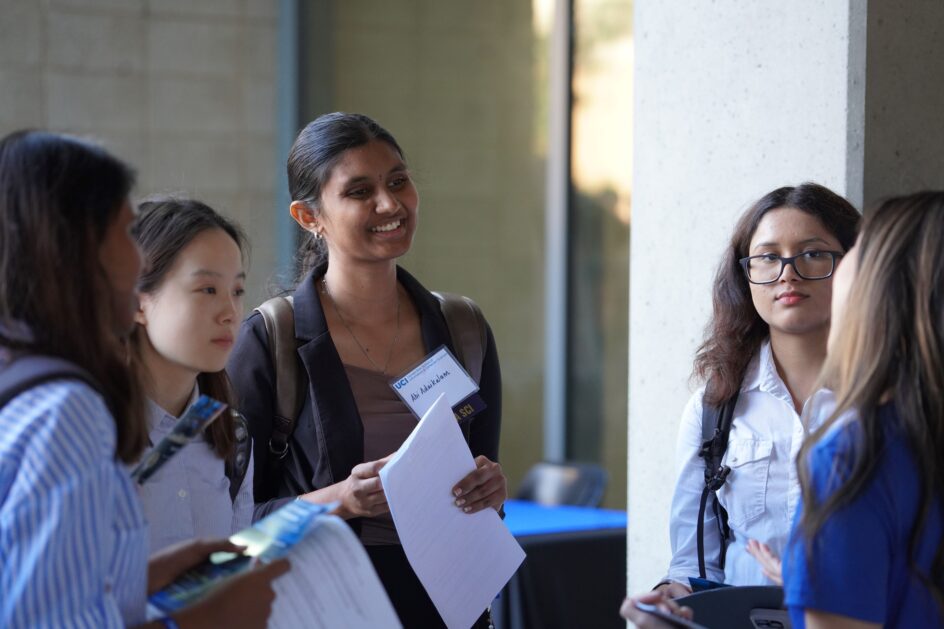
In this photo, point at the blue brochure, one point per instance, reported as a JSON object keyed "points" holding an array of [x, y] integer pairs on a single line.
{"points": [[268, 539], [701, 585], [200, 415]]}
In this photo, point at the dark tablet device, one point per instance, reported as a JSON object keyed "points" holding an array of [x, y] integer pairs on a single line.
{"points": [[676, 622], [749, 607]]}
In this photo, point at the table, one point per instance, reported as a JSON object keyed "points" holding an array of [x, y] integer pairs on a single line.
{"points": [[575, 571]]}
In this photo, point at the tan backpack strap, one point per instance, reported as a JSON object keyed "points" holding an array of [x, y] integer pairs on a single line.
{"points": [[278, 314], [467, 329]]}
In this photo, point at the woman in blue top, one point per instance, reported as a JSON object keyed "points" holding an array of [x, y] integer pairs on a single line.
{"points": [[867, 548], [191, 305], [73, 541]]}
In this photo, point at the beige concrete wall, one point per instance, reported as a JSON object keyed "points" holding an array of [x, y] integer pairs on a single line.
{"points": [[183, 90], [904, 98]]}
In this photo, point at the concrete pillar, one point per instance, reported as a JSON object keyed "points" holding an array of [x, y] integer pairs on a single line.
{"points": [[734, 99]]}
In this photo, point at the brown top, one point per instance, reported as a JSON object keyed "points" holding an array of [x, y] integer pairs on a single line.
{"points": [[388, 421]]}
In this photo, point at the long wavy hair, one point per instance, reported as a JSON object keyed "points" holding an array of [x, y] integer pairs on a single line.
{"points": [[890, 346], [164, 227], [315, 152], [58, 197], [735, 331]]}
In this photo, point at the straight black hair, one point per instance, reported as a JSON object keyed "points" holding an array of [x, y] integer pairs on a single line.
{"points": [[164, 227], [316, 151]]}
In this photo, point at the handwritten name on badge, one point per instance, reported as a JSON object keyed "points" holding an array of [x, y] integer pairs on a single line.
{"points": [[439, 374]]}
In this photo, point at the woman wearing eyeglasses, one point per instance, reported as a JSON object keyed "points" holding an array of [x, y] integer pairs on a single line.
{"points": [[765, 344]]}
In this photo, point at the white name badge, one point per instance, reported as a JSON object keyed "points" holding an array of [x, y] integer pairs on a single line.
{"points": [[439, 374]]}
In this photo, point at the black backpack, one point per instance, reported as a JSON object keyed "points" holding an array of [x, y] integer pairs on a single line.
{"points": [[715, 429], [30, 370], [237, 465]]}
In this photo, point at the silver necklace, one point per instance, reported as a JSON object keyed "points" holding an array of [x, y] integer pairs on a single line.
{"points": [[396, 337]]}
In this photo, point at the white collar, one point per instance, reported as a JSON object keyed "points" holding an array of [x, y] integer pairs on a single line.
{"points": [[158, 414], [762, 375]]}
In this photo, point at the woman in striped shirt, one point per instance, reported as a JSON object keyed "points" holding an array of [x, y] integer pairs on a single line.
{"points": [[73, 541]]}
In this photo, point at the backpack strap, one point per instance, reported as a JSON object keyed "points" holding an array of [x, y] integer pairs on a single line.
{"points": [[715, 428], [278, 314], [238, 464], [466, 329], [30, 370]]}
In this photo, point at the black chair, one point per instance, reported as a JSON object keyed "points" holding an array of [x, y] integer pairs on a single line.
{"points": [[552, 484]]}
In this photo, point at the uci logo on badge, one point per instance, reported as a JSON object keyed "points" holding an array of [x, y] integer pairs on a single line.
{"points": [[439, 372]]}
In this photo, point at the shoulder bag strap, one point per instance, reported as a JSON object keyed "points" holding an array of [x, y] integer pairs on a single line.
{"points": [[466, 329], [715, 427], [30, 370], [278, 315]]}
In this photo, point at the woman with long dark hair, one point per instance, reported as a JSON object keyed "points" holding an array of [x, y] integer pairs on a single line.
{"points": [[191, 305], [73, 539], [359, 321], [765, 344], [868, 544]]}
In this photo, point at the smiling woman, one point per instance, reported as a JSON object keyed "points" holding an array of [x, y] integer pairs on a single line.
{"points": [[359, 321], [369, 207]]}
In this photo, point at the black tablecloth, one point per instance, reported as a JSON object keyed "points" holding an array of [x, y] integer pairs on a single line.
{"points": [[575, 579]]}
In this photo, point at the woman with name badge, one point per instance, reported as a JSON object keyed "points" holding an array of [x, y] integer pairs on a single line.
{"points": [[360, 323]]}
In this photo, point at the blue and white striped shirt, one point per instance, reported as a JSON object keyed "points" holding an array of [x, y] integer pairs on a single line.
{"points": [[73, 540]]}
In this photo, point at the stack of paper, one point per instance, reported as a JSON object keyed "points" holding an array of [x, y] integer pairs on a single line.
{"points": [[463, 560]]}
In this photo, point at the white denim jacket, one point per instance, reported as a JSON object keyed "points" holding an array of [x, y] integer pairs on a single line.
{"points": [[761, 492]]}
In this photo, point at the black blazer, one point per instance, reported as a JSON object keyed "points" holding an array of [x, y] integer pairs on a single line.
{"points": [[328, 440]]}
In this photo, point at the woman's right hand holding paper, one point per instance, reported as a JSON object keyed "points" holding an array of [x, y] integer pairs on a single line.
{"points": [[361, 494]]}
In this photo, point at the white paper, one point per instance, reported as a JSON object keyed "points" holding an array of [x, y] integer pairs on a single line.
{"points": [[439, 374], [463, 560], [331, 584]]}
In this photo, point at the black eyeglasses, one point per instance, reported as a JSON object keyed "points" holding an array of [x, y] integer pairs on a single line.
{"points": [[810, 265]]}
